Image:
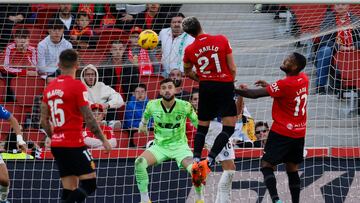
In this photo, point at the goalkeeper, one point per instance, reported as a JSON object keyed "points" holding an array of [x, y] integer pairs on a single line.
{"points": [[169, 116]]}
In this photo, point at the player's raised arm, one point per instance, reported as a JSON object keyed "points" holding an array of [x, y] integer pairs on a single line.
{"points": [[145, 119], [17, 129], [93, 126], [44, 119], [252, 93]]}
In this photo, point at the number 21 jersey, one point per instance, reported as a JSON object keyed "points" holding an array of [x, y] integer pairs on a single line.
{"points": [[208, 54], [64, 97]]}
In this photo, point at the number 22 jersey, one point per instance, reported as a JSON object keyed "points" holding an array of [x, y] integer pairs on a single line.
{"points": [[64, 97], [208, 54]]}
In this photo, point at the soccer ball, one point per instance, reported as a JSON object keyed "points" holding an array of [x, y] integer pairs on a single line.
{"points": [[148, 39]]}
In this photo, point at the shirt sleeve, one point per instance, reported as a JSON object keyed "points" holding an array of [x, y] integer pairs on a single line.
{"points": [[191, 114], [276, 89], [228, 48], [81, 95], [4, 114], [147, 112], [41, 56]]}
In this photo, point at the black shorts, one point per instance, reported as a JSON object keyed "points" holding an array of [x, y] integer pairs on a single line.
{"points": [[216, 99], [73, 161], [283, 149]]}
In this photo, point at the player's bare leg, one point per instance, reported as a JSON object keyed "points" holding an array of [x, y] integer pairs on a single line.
{"points": [[4, 182], [77, 188], [187, 163], [225, 183], [145, 160], [267, 170], [294, 181]]}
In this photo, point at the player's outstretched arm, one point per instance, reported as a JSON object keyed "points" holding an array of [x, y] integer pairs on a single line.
{"points": [[44, 119], [93, 126], [189, 72], [17, 129], [252, 93]]}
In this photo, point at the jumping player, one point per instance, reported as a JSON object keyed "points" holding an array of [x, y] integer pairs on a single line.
{"points": [[286, 138]]}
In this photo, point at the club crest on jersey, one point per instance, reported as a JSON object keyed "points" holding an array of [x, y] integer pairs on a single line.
{"points": [[178, 117], [275, 87], [289, 126]]}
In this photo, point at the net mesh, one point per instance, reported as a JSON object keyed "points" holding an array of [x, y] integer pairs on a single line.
{"points": [[261, 36]]}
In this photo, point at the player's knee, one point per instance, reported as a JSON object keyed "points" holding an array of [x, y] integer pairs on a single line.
{"points": [[228, 165], [140, 163], [89, 185], [294, 179], [228, 130]]}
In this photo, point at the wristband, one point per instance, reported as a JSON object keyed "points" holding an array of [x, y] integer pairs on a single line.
{"points": [[20, 140]]}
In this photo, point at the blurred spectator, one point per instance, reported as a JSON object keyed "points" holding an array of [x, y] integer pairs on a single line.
{"points": [[345, 38], [134, 110], [135, 107], [67, 18], [50, 48], [89, 138], [145, 60], [38, 150], [82, 27], [261, 133], [173, 43], [20, 57], [194, 98], [190, 128], [151, 18], [117, 70], [10, 15], [32, 119], [100, 93], [178, 78]]}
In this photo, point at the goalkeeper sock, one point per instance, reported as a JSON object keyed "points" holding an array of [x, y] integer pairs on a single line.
{"points": [[199, 194], [224, 187], [294, 186], [4, 191], [142, 178], [270, 182], [221, 140], [199, 141]]}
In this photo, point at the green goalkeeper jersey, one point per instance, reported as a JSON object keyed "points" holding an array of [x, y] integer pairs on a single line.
{"points": [[170, 124]]}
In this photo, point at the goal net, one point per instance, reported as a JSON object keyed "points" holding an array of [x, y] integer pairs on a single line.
{"points": [[261, 36]]}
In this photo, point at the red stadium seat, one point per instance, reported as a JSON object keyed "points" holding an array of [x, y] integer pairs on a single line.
{"points": [[152, 83], [44, 12], [92, 57], [26, 88], [348, 63], [35, 136], [309, 17], [355, 9], [189, 84], [141, 139], [122, 138], [2, 90], [106, 36]]}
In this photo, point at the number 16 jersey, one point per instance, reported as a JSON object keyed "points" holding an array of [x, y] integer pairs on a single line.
{"points": [[64, 97], [208, 54]]}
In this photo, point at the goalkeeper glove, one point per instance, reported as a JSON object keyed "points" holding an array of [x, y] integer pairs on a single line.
{"points": [[143, 127]]}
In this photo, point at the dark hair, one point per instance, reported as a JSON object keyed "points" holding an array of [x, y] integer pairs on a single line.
{"points": [[173, 15], [166, 80], [141, 85], [55, 24], [68, 58], [82, 13], [261, 123], [194, 91], [191, 25], [300, 61], [22, 33]]}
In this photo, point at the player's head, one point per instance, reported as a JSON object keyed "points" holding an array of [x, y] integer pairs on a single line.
{"points": [[192, 26], [293, 64], [68, 60], [167, 89], [176, 24], [194, 98]]}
